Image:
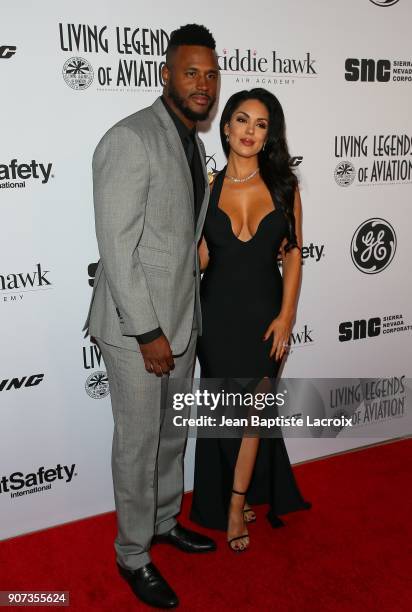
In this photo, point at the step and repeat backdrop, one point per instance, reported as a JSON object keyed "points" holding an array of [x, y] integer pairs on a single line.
{"points": [[69, 70]]}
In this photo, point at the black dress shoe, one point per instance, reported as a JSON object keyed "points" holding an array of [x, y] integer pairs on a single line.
{"points": [[149, 586], [186, 540]]}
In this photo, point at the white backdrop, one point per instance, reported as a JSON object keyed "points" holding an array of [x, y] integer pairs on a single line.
{"points": [[53, 433]]}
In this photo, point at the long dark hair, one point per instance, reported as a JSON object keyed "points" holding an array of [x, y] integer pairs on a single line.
{"points": [[274, 160]]}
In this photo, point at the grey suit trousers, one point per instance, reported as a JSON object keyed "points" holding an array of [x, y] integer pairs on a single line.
{"points": [[148, 450]]}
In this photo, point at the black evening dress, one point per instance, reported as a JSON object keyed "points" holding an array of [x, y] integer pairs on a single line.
{"points": [[241, 293]]}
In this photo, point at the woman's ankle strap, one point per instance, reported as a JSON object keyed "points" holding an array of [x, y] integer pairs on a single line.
{"points": [[238, 492]]}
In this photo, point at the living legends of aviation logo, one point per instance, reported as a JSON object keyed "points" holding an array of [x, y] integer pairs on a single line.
{"points": [[119, 59], [376, 159], [370, 400], [97, 385], [78, 73], [249, 67]]}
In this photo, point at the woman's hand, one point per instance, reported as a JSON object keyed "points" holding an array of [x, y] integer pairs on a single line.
{"points": [[203, 254], [281, 328]]}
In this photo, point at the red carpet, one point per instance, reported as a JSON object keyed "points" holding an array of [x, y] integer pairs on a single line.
{"points": [[350, 552]]}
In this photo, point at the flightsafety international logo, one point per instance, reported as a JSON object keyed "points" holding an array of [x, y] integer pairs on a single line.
{"points": [[20, 484], [250, 67], [18, 175]]}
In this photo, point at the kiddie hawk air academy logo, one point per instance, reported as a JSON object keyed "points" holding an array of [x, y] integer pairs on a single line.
{"points": [[373, 246], [78, 73], [14, 285], [250, 67], [300, 338], [97, 384]]}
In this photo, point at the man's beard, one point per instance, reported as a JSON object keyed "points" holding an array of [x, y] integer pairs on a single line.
{"points": [[185, 110]]}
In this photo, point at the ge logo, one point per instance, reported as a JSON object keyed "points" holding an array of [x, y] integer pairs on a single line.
{"points": [[373, 246], [384, 2], [345, 173], [7, 51]]}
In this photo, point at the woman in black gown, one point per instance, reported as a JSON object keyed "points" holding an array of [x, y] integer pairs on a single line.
{"points": [[248, 310]]}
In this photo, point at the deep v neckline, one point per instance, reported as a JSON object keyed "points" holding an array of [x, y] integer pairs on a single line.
{"points": [[257, 229], [218, 187]]}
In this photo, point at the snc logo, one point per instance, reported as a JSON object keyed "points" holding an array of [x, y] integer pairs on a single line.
{"points": [[360, 329], [367, 70]]}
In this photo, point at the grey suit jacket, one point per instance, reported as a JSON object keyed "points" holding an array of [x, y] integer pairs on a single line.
{"points": [[148, 274]]}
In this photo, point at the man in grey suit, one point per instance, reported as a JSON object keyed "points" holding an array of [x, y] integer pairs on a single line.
{"points": [[150, 196]]}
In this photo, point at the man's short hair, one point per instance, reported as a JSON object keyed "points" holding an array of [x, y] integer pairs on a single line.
{"points": [[190, 34]]}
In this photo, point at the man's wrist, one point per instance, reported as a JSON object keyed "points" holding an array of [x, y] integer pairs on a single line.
{"points": [[149, 336]]}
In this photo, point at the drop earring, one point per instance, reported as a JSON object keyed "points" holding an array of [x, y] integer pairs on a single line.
{"points": [[227, 138]]}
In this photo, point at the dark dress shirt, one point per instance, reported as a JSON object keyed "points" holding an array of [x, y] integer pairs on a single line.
{"points": [[191, 150]]}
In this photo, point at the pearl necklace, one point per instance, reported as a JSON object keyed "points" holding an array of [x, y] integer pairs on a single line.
{"points": [[243, 180]]}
